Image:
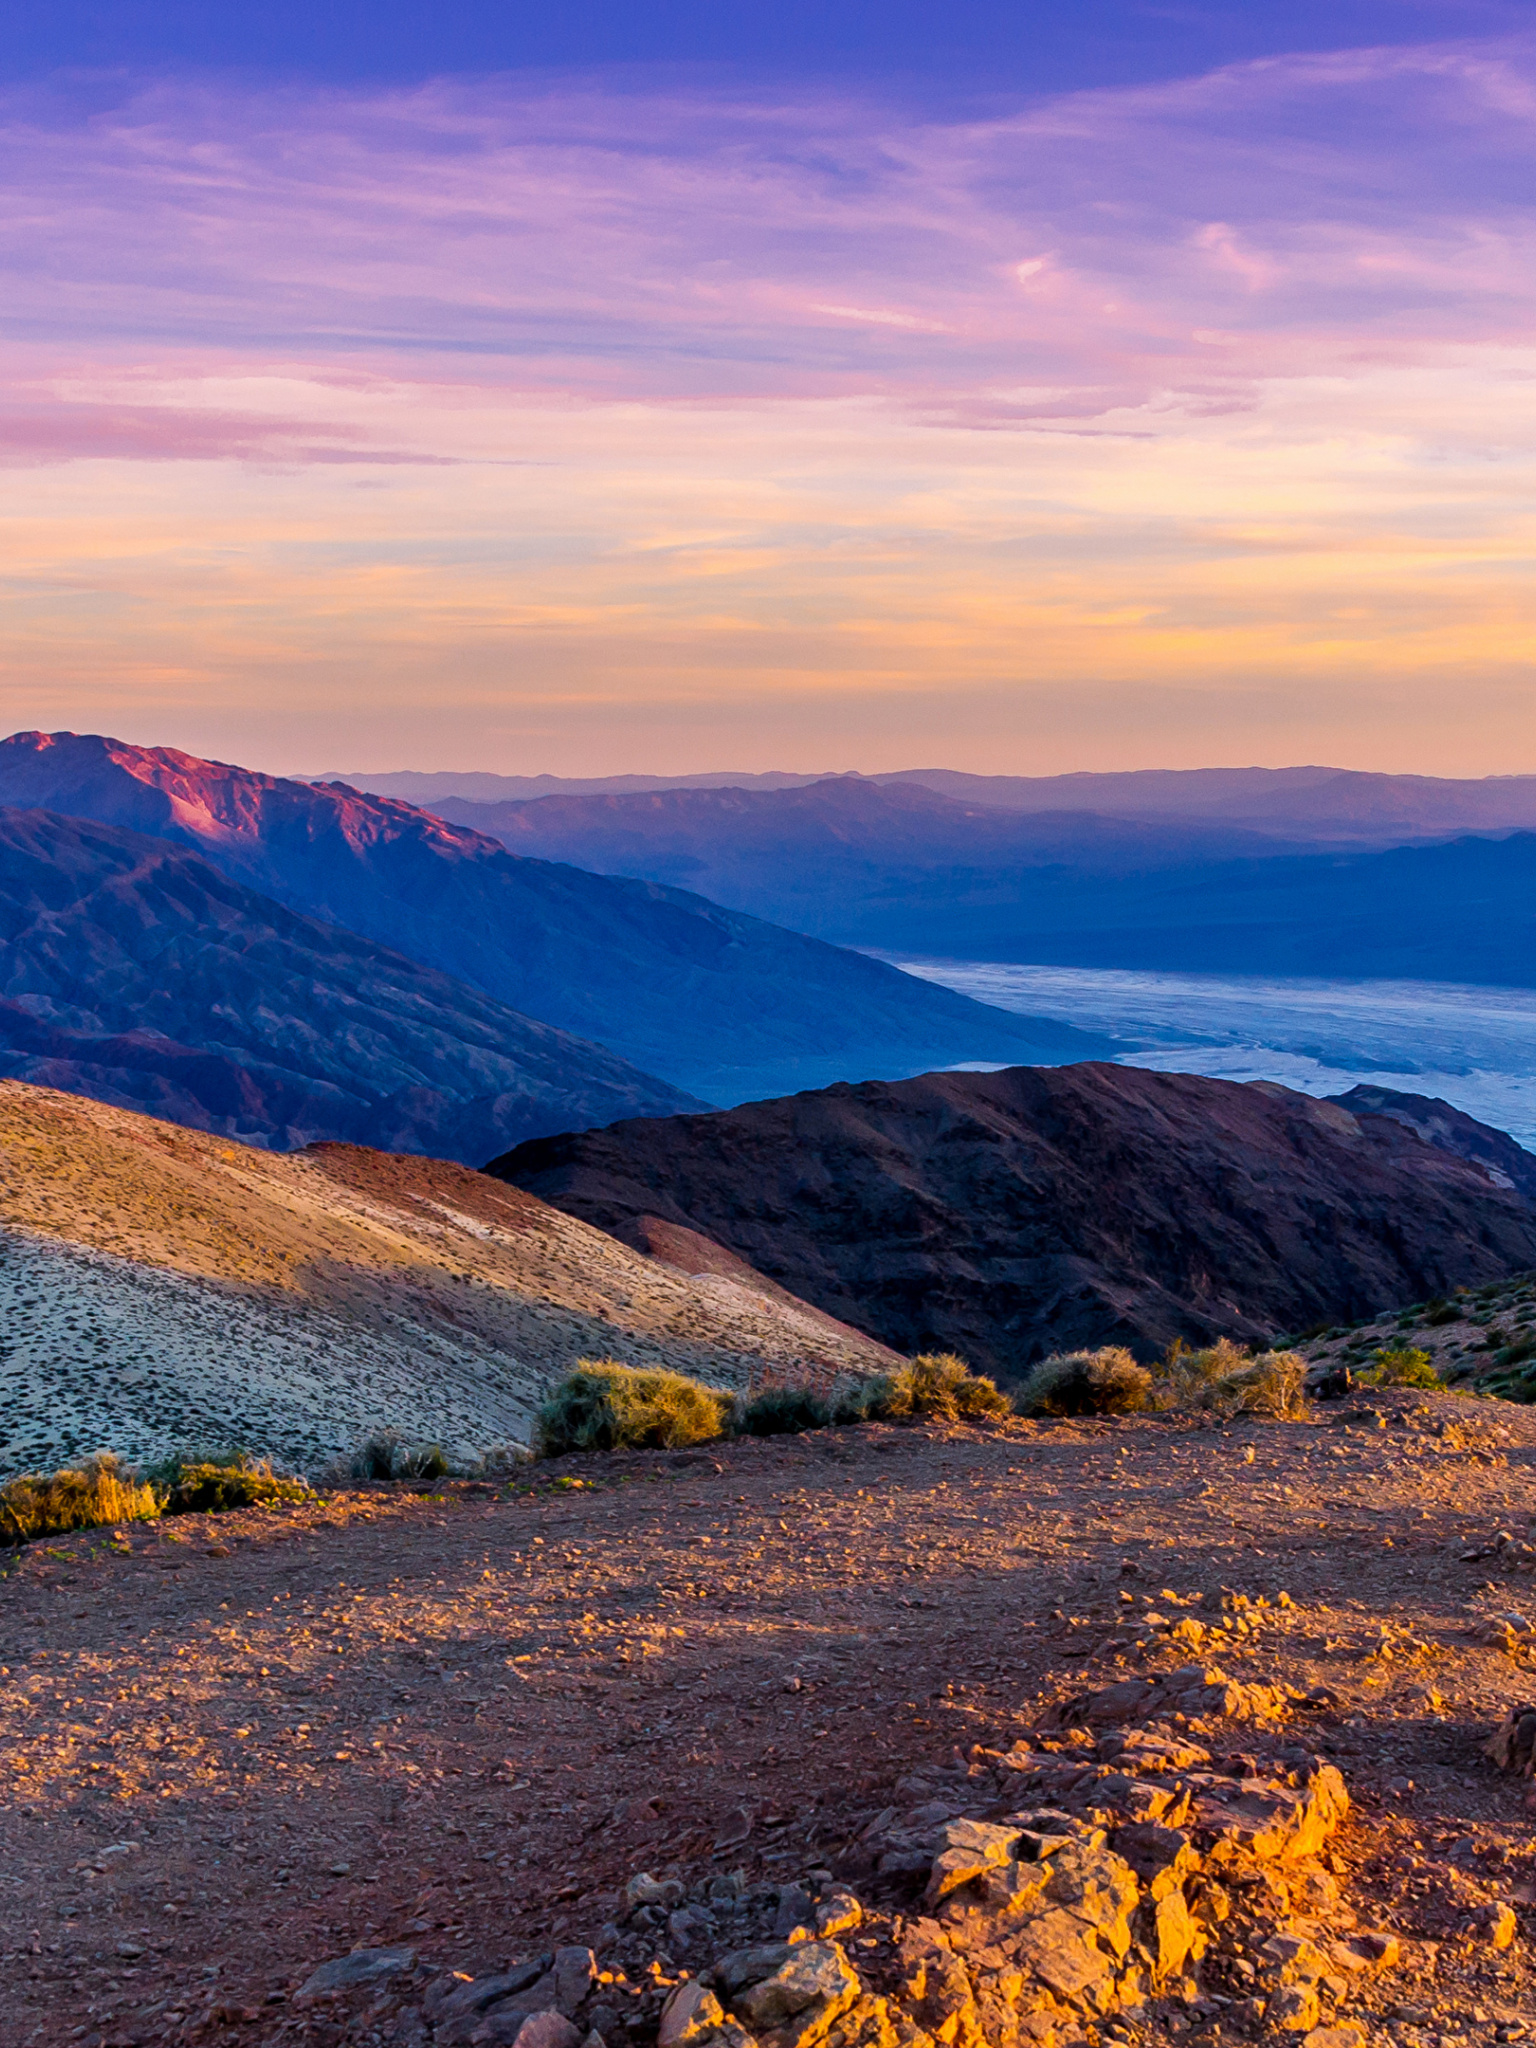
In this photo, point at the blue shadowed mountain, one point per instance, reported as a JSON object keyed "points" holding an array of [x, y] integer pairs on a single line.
{"points": [[134, 972], [720, 1005], [899, 867]]}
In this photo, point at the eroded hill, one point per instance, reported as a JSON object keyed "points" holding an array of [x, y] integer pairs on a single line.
{"points": [[1005, 1216], [160, 1287]]}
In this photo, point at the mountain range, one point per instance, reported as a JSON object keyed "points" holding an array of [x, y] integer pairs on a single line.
{"points": [[719, 1005], [1308, 804], [133, 971], [1007, 1216], [896, 867]]}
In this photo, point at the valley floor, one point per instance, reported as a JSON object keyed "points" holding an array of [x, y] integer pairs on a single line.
{"points": [[235, 1748]]}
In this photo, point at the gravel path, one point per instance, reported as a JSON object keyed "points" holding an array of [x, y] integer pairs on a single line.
{"points": [[234, 1748]]}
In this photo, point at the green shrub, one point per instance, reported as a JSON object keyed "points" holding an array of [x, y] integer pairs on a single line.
{"points": [[1225, 1379], [782, 1411], [859, 1397], [1103, 1382], [87, 1496], [1439, 1313], [213, 1482], [386, 1454], [936, 1384], [605, 1406], [1404, 1367]]}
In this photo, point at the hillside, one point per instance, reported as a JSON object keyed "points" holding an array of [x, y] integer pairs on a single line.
{"points": [[720, 1005], [160, 1288], [1009, 1215], [136, 973]]}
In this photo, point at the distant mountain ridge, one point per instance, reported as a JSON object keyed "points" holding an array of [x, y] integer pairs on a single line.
{"points": [[135, 972], [718, 1004], [900, 869], [847, 858], [1302, 804], [1009, 1215]]}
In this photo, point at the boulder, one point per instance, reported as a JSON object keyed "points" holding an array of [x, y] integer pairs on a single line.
{"points": [[838, 1913], [362, 1966], [966, 1849], [799, 2001], [690, 2015], [1512, 1746], [549, 2029]]}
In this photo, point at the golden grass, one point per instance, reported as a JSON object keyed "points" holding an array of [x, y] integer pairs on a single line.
{"points": [[1226, 1379], [938, 1384], [89, 1496]]}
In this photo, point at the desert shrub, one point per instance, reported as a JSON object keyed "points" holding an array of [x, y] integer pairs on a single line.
{"points": [[782, 1411], [936, 1384], [1226, 1379], [1104, 1382], [386, 1454], [87, 1496], [859, 1397], [604, 1406], [212, 1482], [1439, 1313], [1404, 1367]]}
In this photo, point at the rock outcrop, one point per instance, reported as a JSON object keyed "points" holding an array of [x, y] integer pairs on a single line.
{"points": [[1016, 1898], [1005, 1216]]}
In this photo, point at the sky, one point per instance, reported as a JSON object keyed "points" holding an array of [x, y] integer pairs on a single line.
{"points": [[601, 389]]}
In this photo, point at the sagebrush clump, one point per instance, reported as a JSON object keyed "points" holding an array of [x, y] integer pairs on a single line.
{"points": [[1228, 1380], [87, 1496], [781, 1411], [386, 1454], [1103, 1382], [214, 1482], [938, 1384], [605, 1406]]}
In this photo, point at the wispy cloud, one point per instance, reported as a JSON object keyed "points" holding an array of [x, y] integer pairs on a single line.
{"points": [[1227, 379]]}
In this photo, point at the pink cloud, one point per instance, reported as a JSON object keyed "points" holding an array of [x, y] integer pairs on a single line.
{"points": [[688, 248]]}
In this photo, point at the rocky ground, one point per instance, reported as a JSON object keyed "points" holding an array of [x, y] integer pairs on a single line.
{"points": [[1044, 1733]]}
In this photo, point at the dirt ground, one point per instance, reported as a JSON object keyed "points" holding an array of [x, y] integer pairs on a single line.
{"points": [[235, 1748]]}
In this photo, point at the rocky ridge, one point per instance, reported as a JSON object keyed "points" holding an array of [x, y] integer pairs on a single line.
{"points": [[134, 972]]}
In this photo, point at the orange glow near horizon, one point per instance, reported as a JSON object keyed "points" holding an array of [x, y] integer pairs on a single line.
{"points": [[494, 461]]}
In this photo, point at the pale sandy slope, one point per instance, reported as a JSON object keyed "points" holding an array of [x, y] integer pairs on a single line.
{"points": [[161, 1288]]}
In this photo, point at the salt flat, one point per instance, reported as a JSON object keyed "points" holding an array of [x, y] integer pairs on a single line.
{"points": [[1473, 1046]]}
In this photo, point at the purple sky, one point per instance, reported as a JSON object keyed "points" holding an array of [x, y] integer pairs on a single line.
{"points": [[535, 423]]}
